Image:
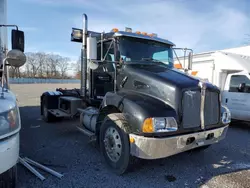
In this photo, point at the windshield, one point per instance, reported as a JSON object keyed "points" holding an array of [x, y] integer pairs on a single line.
{"points": [[146, 51]]}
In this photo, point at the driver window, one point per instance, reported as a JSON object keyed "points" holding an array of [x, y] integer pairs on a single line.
{"points": [[108, 51], [236, 81], [109, 55]]}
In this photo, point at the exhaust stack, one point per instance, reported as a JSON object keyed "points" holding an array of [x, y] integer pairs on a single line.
{"points": [[84, 56]]}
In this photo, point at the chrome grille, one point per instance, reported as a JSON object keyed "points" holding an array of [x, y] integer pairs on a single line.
{"points": [[191, 105], [211, 109]]}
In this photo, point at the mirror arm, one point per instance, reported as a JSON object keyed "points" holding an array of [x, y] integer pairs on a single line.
{"points": [[176, 56], [10, 26], [2, 79]]}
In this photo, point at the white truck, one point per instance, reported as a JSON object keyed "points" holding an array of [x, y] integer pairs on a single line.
{"points": [[10, 123], [229, 70]]}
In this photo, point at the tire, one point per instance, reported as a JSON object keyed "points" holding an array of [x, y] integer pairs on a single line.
{"points": [[9, 178], [47, 116], [118, 159]]}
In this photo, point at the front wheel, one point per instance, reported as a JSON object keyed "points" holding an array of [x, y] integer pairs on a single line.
{"points": [[9, 178], [114, 143]]}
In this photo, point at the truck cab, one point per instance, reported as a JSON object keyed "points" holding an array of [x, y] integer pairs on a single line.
{"points": [[236, 95], [10, 122], [134, 103]]}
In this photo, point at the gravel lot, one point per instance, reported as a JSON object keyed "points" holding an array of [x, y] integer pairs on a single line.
{"points": [[61, 147]]}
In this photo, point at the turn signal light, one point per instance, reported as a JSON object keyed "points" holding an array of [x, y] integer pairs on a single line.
{"points": [[148, 126], [132, 140]]}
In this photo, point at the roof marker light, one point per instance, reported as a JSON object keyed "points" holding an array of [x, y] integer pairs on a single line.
{"points": [[154, 34], [115, 30]]}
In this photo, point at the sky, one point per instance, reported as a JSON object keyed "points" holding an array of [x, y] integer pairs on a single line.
{"points": [[202, 25]]}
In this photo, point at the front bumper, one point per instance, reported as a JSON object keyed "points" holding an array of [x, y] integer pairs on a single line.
{"points": [[9, 152], [155, 148]]}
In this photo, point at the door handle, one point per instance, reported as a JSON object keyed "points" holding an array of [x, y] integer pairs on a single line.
{"points": [[226, 100], [123, 81]]}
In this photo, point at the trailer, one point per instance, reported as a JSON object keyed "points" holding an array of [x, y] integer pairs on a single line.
{"points": [[10, 121], [230, 71], [133, 103]]}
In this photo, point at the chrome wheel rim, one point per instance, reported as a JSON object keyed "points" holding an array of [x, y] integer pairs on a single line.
{"points": [[113, 144]]}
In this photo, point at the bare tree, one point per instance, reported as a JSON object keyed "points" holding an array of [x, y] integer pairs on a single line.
{"points": [[63, 65], [77, 68], [33, 64], [52, 64], [14, 72], [44, 65], [41, 59]]}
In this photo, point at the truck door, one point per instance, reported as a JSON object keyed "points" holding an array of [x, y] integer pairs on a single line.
{"points": [[103, 76], [236, 96]]}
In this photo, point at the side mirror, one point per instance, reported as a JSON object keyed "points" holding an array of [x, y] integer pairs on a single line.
{"points": [[94, 64], [16, 58], [190, 60], [17, 40]]}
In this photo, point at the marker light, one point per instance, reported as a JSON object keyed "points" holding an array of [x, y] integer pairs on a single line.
{"points": [[154, 34], [128, 29], [144, 33], [178, 66], [115, 30], [138, 32], [194, 73]]}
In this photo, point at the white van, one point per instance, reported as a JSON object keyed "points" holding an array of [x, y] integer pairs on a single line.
{"points": [[229, 70]]}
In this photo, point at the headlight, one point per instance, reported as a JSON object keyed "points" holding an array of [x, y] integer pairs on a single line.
{"points": [[9, 121], [225, 115], [166, 124]]}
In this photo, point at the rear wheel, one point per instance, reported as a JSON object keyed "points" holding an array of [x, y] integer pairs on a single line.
{"points": [[114, 143], [9, 178]]}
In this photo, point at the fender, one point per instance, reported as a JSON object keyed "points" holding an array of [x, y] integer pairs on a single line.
{"points": [[51, 99], [137, 107]]}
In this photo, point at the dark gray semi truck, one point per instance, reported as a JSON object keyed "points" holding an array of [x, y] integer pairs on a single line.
{"points": [[133, 102]]}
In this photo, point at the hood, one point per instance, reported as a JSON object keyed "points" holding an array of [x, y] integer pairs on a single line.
{"points": [[8, 102], [164, 74], [170, 76]]}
